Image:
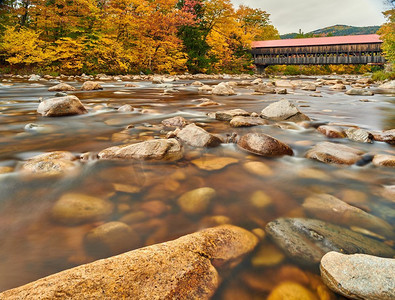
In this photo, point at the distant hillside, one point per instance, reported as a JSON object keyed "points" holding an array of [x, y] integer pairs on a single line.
{"points": [[335, 30]]}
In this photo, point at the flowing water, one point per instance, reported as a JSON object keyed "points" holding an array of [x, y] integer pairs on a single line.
{"points": [[33, 244]]}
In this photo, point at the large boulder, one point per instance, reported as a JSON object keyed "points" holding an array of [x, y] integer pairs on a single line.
{"points": [[390, 85], [264, 145], [196, 136], [359, 276], [332, 153], [61, 87], [223, 89], [160, 149], [91, 85], [61, 106], [306, 241], [187, 267], [283, 111]]}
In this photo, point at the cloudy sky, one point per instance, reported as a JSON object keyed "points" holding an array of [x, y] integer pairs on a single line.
{"points": [[291, 15]]}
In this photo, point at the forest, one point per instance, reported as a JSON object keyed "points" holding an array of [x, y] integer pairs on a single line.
{"points": [[129, 36]]}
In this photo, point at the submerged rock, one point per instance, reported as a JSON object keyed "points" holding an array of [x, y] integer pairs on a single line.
{"points": [[213, 163], [291, 290], [61, 106], [164, 271], [264, 145], [196, 201], [61, 87], [241, 121], [227, 115], [307, 240], [334, 153], [359, 276], [91, 85], [283, 111], [160, 149], [196, 136]]}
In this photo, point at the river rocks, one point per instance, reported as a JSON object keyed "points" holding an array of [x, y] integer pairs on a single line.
{"points": [[309, 87], [205, 89], [258, 168], [168, 270], [359, 135], [177, 121], [263, 88], [213, 163], [227, 115], [334, 153], [196, 136], [291, 290], [359, 276], [383, 160], [387, 136], [196, 201], [74, 209], [284, 84], [91, 85], [111, 239], [329, 208], [264, 145], [131, 85], [126, 108], [197, 83], [241, 121], [61, 106], [283, 111], [159, 149], [338, 87], [61, 87], [307, 240], [390, 85], [332, 131], [359, 92], [223, 89]]}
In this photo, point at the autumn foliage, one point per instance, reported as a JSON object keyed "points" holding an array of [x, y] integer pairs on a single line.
{"points": [[129, 36]]}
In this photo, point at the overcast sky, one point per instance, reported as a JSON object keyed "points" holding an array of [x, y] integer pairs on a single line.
{"points": [[291, 15]]}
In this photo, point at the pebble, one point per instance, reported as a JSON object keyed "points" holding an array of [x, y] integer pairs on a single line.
{"points": [[196, 201]]}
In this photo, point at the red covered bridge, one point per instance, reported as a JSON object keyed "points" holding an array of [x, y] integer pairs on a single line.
{"points": [[351, 49]]}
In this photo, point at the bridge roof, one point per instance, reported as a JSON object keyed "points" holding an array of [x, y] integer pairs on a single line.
{"points": [[319, 41]]}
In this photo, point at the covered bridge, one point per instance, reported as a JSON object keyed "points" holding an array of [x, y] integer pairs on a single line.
{"points": [[351, 49]]}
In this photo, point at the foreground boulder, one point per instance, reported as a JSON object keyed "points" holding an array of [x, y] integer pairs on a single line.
{"points": [[359, 276], [283, 111], [61, 87], [160, 149], [91, 85], [61, 106], [184, 267], [334, 153], [264, 145], [196, 136], [307, 240]]}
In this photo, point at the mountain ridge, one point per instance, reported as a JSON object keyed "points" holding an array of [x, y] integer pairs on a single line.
{"points": [[335, 30]]}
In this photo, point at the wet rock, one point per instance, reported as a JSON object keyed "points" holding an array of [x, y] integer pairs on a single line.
{"points": [[359, 92], [74, 209], [267, 256], [390, 85], [177, 121], [110, 239], [164, 271], [213, 163], [281, 91], [332, 131], [157, 80], [291, 290], [359, 135], [262, 88], [34, 77], [260, 199], [223, 89], [196, 201], [61, 106], [50, 164], [284, 84], [359, 276], [207, 102], [309, 87], [258, 168], [283, 111], [334, 153], [329, 208], [383, 160], [365, 80], [264, 145], [91, 85], [257, 81], [131, 85], [126, 108], [196, 136], [307, 240], [61, 87], [338, 87], [60, 94], [159, 149], [205, 89], [6, 169], [241, 121], [38, 128], [227, 115], [387, 136], [197, 83]]}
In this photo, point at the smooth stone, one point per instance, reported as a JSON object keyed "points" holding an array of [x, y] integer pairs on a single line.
{"points": [[223, 89], [359, 135], [74, 209], [258, 168], [126, 108], [262, 88], [207, 102], [267, 256], [284, 84], [110, 239], [291, 290], [177, 121], [197, 83], [331, 131], [227, 115], [383, 160], [338, 87], [260, 199], [309, 87], [240, 121], [283, 111], [329, 208], [61, 106], [359, 276], [264, 145], [334, 153], [196, 136], [257, 81], [196, 201], [158, 149], [131, 85], [387, 136], [213, 163], [185, 267], [61, 87], [359, 92], [91, 85], [390, 85], [205, 89], [307, 240]]}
